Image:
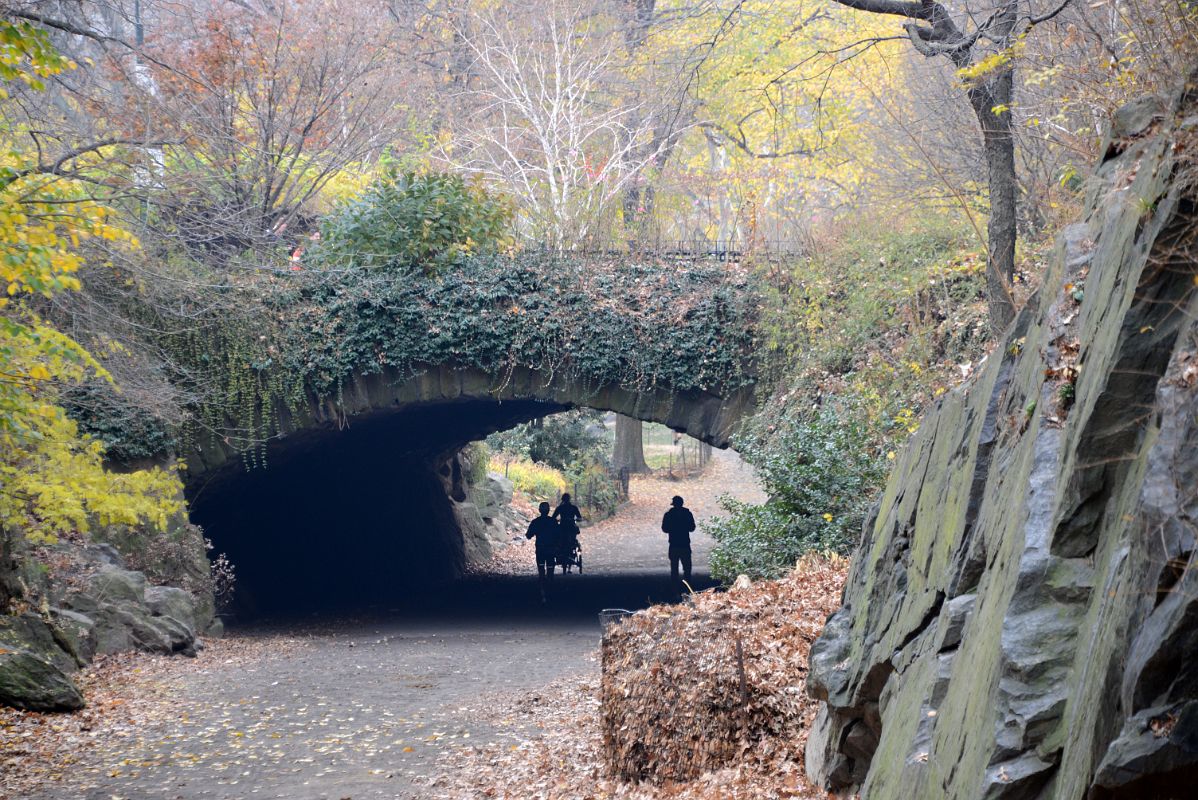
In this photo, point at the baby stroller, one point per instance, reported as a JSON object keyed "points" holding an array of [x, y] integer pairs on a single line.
{"points": [[570, 553]]}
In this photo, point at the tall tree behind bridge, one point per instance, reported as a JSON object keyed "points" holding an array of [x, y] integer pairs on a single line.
{"points": [[629, 449], [548, 123], [562, 127], [982, 44], [637, 207]]}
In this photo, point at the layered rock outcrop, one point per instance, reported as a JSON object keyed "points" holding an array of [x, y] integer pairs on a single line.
{"points": [[103, 608], [1021, 620], [479, 502]]}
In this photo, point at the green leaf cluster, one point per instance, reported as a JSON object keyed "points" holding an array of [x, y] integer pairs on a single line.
{"points": [[821, 474], [560, 440], [634, 325], [595, 491], [128, 431], [405, 220], [28, 56]]}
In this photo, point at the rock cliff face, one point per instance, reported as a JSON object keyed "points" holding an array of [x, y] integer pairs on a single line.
{"points": [[101, 608], [1021, 620]]}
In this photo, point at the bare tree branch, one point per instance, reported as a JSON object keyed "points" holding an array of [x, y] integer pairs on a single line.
{"points": [[56, 168], [64, 26]]}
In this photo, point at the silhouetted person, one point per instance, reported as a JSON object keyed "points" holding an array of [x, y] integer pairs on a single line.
{"points": [[678, 523], [544, 530], [567, 515]]}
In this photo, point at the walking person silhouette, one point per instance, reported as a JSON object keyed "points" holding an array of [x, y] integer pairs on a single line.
{"points": [[544, 530], [678, 523]]}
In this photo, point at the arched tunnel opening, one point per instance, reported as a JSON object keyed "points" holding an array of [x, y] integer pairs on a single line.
{"points": [[353, 519]]}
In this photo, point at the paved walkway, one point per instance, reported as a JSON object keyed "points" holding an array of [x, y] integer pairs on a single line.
{"points": [[360, 708]]}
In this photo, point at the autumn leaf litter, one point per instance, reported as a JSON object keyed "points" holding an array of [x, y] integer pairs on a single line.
{"points": [[126, 693], [672, 717]]}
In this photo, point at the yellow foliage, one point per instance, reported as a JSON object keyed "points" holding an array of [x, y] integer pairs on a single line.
{"points": [[993, 62], [26, 55], [41, 224], [782, 90], [536, 480], [52, 478], [57, 483]]}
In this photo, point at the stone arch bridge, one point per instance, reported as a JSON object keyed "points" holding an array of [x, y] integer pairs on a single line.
{"points": [[396, 375]]}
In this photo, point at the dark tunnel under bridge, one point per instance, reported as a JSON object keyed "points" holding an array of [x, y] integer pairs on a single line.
{"points": [[361, 506]]}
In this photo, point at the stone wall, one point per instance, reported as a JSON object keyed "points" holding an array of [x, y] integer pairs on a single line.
{"points": [[1020, 620]]}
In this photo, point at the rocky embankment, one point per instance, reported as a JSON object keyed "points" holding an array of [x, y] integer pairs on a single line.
{"points": [[1021, 620], [84, 602], [480, 504]]}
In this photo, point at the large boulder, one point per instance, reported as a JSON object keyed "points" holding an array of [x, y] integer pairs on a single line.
{"points": [[174, 604], [114, 585], [76, 633], [176, 557], [129, 615], [30, 632], [1021, 618], [94, 604], [31, 682], [129, 626]]}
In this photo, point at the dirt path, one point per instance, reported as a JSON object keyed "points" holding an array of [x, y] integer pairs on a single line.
{"points": [[362, 708], [631, 543]]}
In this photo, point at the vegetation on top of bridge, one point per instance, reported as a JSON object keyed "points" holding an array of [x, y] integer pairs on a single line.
{"points": [[417, 271], [601, 322], [414, 272], [307, 332]]}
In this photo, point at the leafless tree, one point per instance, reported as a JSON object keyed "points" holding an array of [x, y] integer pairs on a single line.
{"points": [[548, 125]]}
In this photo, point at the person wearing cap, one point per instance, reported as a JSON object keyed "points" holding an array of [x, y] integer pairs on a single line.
{"points": [[678, 523], [544, 530]]}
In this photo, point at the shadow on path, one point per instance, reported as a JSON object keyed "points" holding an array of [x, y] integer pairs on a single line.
{"points": [[505, 601]]}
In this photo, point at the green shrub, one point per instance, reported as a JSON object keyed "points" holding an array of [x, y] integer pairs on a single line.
{"points": [[129, 431], [406, 220], [477, 457], [883, 316], [558, 440], [603, 322], [872, 329], [821, 473], [595, 491]]}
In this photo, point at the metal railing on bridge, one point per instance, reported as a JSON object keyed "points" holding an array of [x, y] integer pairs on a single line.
{"points": [[732, 251]]}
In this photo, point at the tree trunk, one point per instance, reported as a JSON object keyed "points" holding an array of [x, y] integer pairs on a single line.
{"points": [[999, 146], [629, 451], [638, 209], [933, 32]]}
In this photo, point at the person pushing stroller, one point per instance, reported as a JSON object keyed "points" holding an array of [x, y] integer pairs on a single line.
{"points": [[568, 516]]}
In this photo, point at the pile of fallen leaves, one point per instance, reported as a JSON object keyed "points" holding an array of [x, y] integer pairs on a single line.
{"points": [[667, 679], [721, 679]]}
